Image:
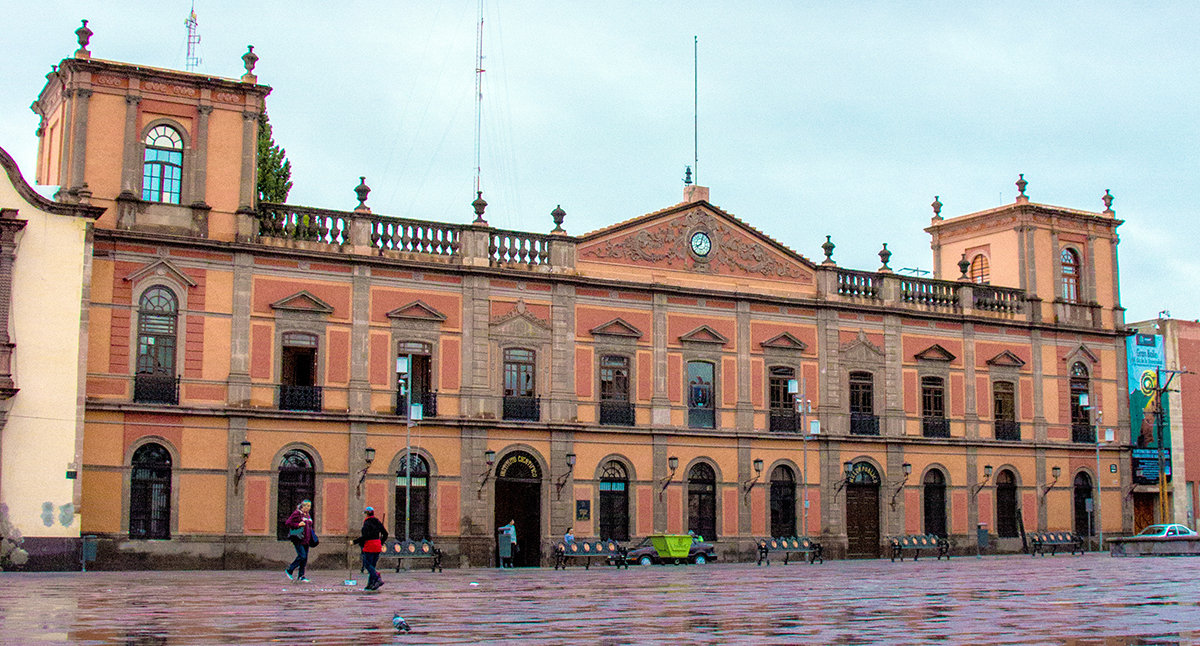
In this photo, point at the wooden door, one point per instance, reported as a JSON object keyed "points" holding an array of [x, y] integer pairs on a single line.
{"points": [[862, 521]]}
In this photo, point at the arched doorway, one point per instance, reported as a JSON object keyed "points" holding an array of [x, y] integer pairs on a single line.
{"points": [[150, 493], [519, 499], [702, 501], [1006, 505], [1083, 500], [862, 512], [297, 483], [614, 502], [935, 503], [412, 513], [783, 502]]}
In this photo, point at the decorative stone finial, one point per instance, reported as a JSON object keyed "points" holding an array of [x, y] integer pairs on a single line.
{"points": [[1108, 200], [362, 190], [937, 208], [479, 205], [84, 34], [249, 59], [828, 249], [559, 215], [1021, 184], [885, 256], [687, 176], [964, 266]]}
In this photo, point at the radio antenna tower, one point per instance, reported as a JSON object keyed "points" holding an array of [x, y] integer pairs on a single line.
{"points": [[478, 100], [192, 61]]}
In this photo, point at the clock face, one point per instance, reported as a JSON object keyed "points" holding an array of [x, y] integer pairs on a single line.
{"points": [[701, 244]]}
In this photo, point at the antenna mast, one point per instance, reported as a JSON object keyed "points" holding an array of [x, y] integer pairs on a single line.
{"points": [[696, 109], [192, 60], [478, 98]]}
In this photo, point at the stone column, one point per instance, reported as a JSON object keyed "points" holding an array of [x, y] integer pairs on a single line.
{"points": [[660, 405], [970, 396], [744, 417], [238, 392], [1037, 370], [894, 416], [131, 168], [477, 398], [80, 100], [657, 476], [235, 491], [360, 342], [562, 354]]}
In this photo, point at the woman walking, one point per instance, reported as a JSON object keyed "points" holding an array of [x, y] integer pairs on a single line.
{"points": [[371, 539], [300, 532]]}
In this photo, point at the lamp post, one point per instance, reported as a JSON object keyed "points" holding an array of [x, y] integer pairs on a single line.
{"points": [[1108, 437], [803, 406]]}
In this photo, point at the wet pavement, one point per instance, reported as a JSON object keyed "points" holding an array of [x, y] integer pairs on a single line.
{"points": [[1078, 600]]}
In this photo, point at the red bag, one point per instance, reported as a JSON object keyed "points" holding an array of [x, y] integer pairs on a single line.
{"points": [[373, 546]]}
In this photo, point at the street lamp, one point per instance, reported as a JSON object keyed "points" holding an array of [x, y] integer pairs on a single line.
{"points": [[562, 480], [1056, 472], [368, 457], [749, 484], [489, 456], [240, 471], [672, 464], [847, 467], [900, 487], [987, 475]]}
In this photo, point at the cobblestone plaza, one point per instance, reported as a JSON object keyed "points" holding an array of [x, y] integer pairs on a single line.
{"points": [[1093, 599]]}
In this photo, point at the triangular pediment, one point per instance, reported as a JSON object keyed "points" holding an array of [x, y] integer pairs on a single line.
{"points": [[861, 350], [935, 352], [416, 310], [1006, 359], [522, 316], [785, 341], [302, 301], [723, 245], [161, 267], [617, 327], [704, 334], [1082, 353]]}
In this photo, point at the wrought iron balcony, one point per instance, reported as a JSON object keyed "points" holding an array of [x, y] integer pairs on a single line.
{"points": [[935, 427], [784, 420], [527, 409], [156, 389], [1083, 433], [299, 397], [864, 424], [702, 418], [428, 402], [1007, 429], [616, 412]]}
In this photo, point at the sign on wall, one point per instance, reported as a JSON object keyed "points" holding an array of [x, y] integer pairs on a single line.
{"points": [[1146, 355]]}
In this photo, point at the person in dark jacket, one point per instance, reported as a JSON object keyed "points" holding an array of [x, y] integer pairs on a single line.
{"points": [[300, 532], [371, 539]]}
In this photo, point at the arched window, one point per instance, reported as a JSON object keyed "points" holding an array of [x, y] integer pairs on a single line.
{"points": [[1006, 504], [150, 493], [979, 272], [783, 502], [702, 501], [154, 379], [162, 171], [1083, 500], [415, 507], [1070, 275], [935, 502], [614, 502], [1081, 425], [297, 482], [701, 405]]}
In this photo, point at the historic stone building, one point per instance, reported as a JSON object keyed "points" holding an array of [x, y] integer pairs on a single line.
{"points": [[630, 381]]}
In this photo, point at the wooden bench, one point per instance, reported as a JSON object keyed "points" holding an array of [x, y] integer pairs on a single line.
{"points": [[401, 550], [810, 550], [1040, 541], [611, 551], [918, 542]]}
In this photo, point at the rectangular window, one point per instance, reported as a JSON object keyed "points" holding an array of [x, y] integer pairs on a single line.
{"points": [[783, 403], [701, 407], [298, 389], [615, 407], [863, 420], [933, 408], [520, 398], [415, 386], [1004, 410]]}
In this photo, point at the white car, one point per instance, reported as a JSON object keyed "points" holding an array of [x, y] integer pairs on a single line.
{"points": [[1167, 530]]}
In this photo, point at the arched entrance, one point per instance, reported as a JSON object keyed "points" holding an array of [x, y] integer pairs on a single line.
{"points": [[519, 499], [862, 512], [1083, 503]]}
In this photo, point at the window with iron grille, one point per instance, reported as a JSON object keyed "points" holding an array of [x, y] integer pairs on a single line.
{"points": [[1070, 275], [416, 387], [519, 373], [614, 502], [296, 483], [1080, 384], [418, 503], [782, 403], [150, 493], [863, 420], [615, 407], [702, 501], [298, 389], [1006, 504], [701, 407], [933, 407], [1004, 411], [162, 170], [783, 502]]}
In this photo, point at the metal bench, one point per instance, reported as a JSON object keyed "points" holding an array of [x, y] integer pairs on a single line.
{"points": [[918, 542], [401, 550], [610, 551], [810, 550], [1053, 540]]}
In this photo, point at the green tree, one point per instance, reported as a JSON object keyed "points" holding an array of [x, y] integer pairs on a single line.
{"points": [[274, 169]]}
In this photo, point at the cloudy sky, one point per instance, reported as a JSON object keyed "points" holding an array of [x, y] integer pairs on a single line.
{"points": [[815, 118]]}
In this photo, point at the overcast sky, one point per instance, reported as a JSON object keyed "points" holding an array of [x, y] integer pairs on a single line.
{"points": [[815, 118]]}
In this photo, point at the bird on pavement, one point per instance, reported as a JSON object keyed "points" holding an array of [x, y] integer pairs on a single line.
{"points": [[399, 624]]}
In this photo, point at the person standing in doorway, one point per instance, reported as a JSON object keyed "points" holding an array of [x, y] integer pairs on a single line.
{"points": [[371, 539], [507, 540], [300, 532]]}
